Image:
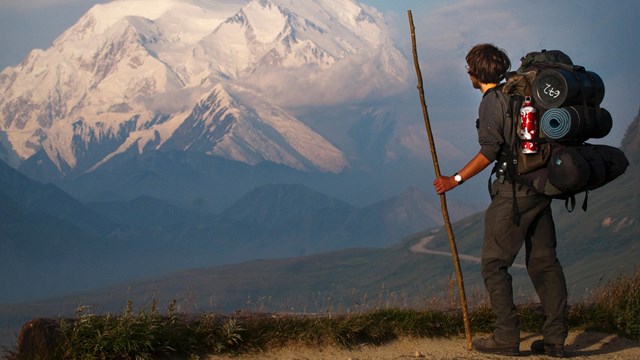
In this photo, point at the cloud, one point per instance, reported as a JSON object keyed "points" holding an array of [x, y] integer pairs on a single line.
{"points": [[600, 36], [353, 78], [171, 101]]}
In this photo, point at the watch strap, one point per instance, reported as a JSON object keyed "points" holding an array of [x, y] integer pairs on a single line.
{"points": [[458, 178]]}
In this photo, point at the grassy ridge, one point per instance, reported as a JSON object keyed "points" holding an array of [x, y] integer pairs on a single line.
{"points": [[148, 334]]}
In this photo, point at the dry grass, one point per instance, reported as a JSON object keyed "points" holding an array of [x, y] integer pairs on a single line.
{"points": [[151, 334]]}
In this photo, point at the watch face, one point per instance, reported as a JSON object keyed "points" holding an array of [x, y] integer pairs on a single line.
{"points": [[457, 178]]}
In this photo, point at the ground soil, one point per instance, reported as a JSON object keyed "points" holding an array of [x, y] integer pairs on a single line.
{"points": [[579, 345]]}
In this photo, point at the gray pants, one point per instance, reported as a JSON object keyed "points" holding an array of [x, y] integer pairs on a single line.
{"points": [[502, 241]]}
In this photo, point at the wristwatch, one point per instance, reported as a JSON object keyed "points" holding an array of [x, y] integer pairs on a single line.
{"points": [[458, 178]]}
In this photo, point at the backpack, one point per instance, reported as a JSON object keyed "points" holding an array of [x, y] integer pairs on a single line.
{"points": [[567, 98]]}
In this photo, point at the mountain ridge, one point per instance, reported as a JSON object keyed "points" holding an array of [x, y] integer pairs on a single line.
{"points": [[135, 82]]}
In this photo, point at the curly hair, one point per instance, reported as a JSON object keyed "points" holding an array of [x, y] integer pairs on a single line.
{"points": [[487, 63]]}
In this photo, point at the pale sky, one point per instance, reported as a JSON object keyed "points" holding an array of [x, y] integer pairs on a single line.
{"points": [[601, 35]]}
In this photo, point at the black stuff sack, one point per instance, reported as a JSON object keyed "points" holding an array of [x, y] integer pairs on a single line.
{"points": [[574, 169]]}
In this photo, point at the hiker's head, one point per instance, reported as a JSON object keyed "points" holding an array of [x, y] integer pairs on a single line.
{"points": [[487, 63]]}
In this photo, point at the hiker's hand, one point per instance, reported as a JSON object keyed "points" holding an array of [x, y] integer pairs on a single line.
{"points": [[444, 184]]}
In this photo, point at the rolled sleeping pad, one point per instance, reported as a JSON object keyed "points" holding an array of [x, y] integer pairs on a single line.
{"points": [[576, 123], [558, 87]]}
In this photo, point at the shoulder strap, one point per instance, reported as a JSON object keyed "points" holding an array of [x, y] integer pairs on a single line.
{"points": [[506, 166]]}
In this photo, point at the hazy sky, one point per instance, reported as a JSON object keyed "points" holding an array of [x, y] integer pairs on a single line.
{"points": [[601, 35]]}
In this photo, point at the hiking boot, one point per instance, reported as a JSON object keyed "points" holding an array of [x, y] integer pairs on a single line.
{"points": [[494, 345], [539, 347]]}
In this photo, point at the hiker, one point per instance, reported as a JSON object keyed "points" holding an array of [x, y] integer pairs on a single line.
{"points": [[503, 237]]}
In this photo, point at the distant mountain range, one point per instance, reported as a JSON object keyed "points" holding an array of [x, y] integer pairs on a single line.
{"points": [[80, 245]]}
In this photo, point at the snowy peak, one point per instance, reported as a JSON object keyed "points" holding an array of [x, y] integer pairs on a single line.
{"points": [[264, 34], [196, 75], [268, 19], [233, 127], [100, 18], [261, 35]]}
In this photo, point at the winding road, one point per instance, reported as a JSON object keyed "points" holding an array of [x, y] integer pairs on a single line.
{"points": [[421, 247]]}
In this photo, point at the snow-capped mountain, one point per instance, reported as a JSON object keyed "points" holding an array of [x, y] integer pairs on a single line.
{"points": [[216, 77]]}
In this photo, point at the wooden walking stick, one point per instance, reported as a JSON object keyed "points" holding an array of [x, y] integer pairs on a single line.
{"points": [[443, 199]]}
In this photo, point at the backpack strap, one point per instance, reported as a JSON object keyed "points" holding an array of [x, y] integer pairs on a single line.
{"points": [[512, 162], [507, 165], [570, 202]]}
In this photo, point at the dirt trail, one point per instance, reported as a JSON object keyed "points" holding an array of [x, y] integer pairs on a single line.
{"points": [[421, 247], [580, 345]]}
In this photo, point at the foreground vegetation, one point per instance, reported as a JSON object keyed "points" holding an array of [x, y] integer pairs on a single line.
{"points": [[149, 334]]}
